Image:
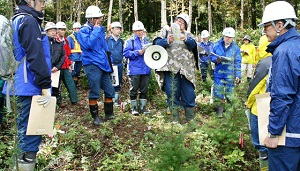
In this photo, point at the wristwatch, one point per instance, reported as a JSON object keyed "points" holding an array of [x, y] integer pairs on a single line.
{"points": [[272, 136]]}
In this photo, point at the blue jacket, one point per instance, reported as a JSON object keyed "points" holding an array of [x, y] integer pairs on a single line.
{"points": [[116, 49], [74, 56], [225, 69], [208, 48], [93, 45], [30, 40], [285, 87], [136, 65]]}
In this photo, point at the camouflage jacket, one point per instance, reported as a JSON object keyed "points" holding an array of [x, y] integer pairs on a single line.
{"points": [[180, 56]]}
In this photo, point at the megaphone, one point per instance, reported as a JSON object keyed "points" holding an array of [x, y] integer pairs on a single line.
{"points": [[155, 57]]}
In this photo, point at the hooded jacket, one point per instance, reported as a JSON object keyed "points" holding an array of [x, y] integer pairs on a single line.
{"points": [[30, 40], [93, 45], [284, 87], [136, 65], [231, 68]]}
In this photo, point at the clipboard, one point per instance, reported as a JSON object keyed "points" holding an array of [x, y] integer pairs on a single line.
{"points": [[41, 119], [55, 78], [263, 112], [114, 76]]}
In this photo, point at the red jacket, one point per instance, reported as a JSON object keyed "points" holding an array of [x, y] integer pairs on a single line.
{"points": [[67, 48]]}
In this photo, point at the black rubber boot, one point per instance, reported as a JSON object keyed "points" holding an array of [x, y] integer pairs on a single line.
{"points": [[220, 111], [94, 112], [189, 113], [109, 110]]}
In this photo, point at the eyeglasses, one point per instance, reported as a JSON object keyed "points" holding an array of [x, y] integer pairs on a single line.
{"points": [[267, 25]]}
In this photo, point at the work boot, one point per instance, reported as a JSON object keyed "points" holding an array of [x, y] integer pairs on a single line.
{"points": [[116, 99], [26, 161], [134, 110], [175, 112], [189, 113], [263, 161], [143, 109], [94, 112], [109, 111], [220, 111]]}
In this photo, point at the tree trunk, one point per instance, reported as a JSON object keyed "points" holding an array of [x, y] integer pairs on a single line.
{"points": [[120, 12], [253, 14], [58, 11], [190, 15], [135, 9], [198, 16], [79, 11], [163, 13], [242, 14], [109, 12], [210, 29]]}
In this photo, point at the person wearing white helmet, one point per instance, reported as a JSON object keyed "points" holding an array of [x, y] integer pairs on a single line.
{"points": [[115, 46], [138, 71], [75, 56], [179, 71], [248, 57], [97, 63], [31, 49], [278, 21], [57, 55], [227, 57], [65, 73], [204, 55]]}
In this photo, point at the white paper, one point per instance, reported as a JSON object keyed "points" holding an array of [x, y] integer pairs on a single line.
{"points": [[55, 78], [115, 76]]}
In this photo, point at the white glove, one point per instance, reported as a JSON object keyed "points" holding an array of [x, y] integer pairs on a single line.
{"points": [[46, 97]]}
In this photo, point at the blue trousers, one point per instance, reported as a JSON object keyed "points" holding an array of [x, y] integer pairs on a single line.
{"points": [[204, 68], [77, 69], [223, 87], [284, 158], [27, 143], [139, 83], [99, 79], [255, 135], [179, 89]]}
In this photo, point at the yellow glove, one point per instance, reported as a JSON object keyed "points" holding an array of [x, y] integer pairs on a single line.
{"points": [[46, 97]]}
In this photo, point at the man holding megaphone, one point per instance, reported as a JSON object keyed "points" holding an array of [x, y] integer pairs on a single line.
{"points": [[177, 77]]}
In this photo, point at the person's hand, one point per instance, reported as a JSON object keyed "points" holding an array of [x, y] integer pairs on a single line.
{"points": [[271, 142], [237, 80], [46, 97], [141, 52], [183, 37], [170, 38], [219, 60], [54, 69]]}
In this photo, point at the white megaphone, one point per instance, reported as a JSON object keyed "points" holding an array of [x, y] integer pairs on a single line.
{"points": [[155, 56]]}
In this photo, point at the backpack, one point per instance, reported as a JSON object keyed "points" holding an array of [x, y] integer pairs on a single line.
{"points": [[8, 64]]}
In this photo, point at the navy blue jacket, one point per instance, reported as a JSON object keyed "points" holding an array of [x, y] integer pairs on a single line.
{"points": [[30, 40], [285, 87]]}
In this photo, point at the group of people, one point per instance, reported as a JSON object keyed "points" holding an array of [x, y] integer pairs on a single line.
{"points": [[49, 51]]}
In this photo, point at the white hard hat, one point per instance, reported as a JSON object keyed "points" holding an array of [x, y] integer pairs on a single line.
{"points": [[229, 32], [205, 34], [50, 25], [137, 25], [278, 10], [76, 25], [93, 12], [61, 25], [185, 17], [116, 24]]}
